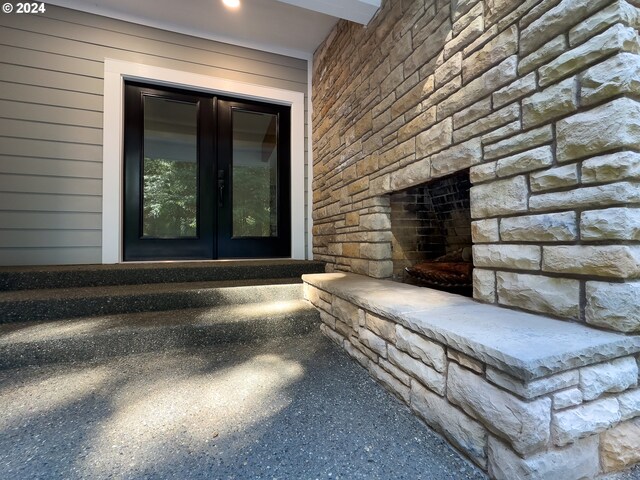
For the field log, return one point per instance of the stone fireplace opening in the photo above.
(431, 227)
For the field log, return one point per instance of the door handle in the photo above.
(220, 188)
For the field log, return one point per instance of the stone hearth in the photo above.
(521, 395)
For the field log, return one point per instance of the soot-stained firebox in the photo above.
(431, 227)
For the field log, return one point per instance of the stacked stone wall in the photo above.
(574, 424)
(540, 99)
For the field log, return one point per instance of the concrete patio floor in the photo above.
(290, 408)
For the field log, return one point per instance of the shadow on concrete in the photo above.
(279, 408)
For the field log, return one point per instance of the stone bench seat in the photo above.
(525, 345)
(522, 395)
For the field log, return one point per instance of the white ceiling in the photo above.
(288, 27)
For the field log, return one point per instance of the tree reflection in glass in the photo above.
(255, 174)
(170, 171)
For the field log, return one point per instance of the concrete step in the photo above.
(78, 276)
(62, 303)
(91, 338)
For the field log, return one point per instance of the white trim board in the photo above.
(116, 72)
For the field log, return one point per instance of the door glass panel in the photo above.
(170, 169)
(254, 174)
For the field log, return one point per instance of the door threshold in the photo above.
(217, 260)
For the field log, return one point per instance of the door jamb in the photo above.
(116, 72)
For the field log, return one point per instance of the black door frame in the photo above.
(206, 245)
(261, 247)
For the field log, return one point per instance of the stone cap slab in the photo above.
(525, 345)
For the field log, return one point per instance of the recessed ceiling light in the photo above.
(231, 3)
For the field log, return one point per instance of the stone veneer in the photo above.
(521, 395)
(539, 98)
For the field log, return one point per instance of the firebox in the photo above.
(431, 227)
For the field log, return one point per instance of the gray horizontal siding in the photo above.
(43, 202)
(96, 30)
(44, 255)
(20, 110)
(64, 38)
(38, 238)
(47, 78)
(50, 131)
(51, 101)
(50, 166)
(50, 184)
(30, 147)
(49, 96)
(20, 55)
(51, 220)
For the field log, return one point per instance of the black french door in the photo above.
(204, 176)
